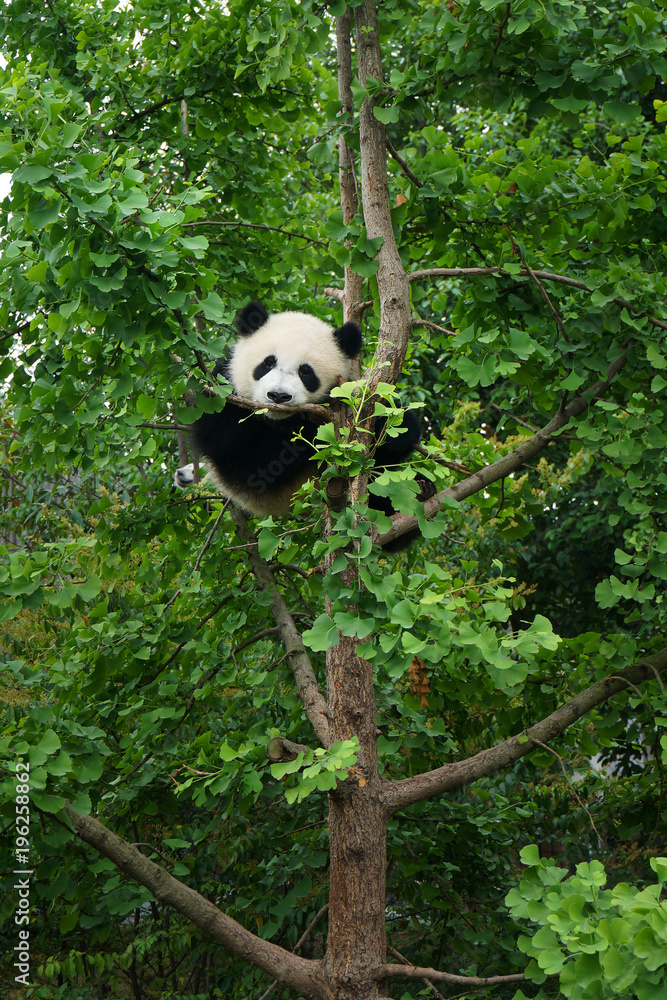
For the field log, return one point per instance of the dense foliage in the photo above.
(169, 162)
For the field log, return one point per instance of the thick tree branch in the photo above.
(314, 702)
(402, 523)
(300, 974)
(400, 794)
(561, 279)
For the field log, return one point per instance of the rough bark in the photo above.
(400, 794)
(301, 974)
(356, 946)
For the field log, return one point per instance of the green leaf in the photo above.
(31, 174)
(213, 308)
(387, 115)
(574, 104)
(323, 635)
(621, 112)
(530, 855)
(90, 588)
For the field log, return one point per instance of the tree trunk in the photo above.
(356, 948)
(357, 835)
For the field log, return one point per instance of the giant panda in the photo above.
(257, 460)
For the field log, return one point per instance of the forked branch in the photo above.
(400, 794)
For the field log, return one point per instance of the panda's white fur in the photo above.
(293, 339)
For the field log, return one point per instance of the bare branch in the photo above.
(210, 536)
(500, 34)
(400, 794)
(395, 155)
(415, 972)
(402, 523)
(569, 783)
(417, 321)
(533, 275)
(517, 420)
(313, 700)
(312, 410)
(302, 975)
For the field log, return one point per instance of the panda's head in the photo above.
(290, 357)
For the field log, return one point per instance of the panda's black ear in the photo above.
(348, 338)
(250, 318)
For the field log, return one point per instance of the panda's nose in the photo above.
(279, 397)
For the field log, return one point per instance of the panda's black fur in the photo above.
(287, 358)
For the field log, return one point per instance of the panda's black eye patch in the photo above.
(309, 378)
(264, 367)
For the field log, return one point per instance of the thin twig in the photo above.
(417, 321)
(311, 926)
(543, 291)
(571, 786)
(210, 535)
(517, 420)
(500, 34)
(257, 225)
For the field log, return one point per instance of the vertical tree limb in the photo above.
(393, 291)
(349, 199)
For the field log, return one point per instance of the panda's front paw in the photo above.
(184, 477)
(427, 488)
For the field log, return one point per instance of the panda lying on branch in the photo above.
(293, 359)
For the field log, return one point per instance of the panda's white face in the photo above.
(292, 358)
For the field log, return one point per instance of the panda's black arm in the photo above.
(396, 449)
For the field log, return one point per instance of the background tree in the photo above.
(497, 223)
